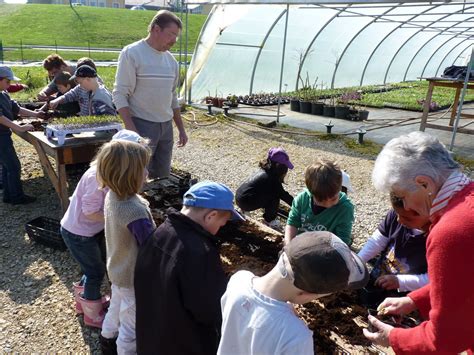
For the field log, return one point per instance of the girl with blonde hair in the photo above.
(121, 167)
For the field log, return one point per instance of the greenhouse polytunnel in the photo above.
(252, 47)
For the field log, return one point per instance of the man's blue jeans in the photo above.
(11, 170)
(87, 252)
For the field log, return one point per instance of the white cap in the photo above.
(127, 135)
(346, 181)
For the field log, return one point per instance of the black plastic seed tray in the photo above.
(45, 230)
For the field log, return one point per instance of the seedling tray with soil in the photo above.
(59, 128)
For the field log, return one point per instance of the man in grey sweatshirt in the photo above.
(145, 90)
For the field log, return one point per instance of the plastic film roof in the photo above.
(335, 45)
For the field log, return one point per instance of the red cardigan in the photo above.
(448, 300)
(15, 87)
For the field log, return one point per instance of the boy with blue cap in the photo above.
(179, 278)
(11, 167)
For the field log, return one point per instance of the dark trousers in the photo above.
(11, 170)
(270, 205)
(89, 252)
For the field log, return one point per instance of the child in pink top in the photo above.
(82, 230)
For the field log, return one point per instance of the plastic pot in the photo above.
(329, 111)
(317, 108)
(342, 111)
(363, 115)
(305, 106)
(295, 105)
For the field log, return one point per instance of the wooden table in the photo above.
(75, 150)
(448, 83)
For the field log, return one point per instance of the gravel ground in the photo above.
(37, 312)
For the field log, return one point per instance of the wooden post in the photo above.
(455, 106)
(426, 106)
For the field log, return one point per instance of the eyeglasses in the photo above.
(168, 32)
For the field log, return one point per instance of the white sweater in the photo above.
(146, 82)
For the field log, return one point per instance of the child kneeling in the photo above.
(264, 188)
(322, 206)
(400, 242)
(257, 317)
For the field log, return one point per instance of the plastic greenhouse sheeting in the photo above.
(331, 45)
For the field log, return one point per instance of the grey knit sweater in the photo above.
(146, 82)
(122, 248)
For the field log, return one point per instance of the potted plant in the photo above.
(329, 109)
(317, 106)
(295, 103)
(305, 102)
(363, 114)
(342, 109)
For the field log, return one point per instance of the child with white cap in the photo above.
(264, 189)
(82, 230)
(257, 317)
(346, 183)
(179, 279)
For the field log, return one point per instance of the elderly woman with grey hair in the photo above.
(418, 169)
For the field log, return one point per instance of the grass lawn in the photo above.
(94, 26)
(31, 55)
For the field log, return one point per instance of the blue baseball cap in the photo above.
(209, 194)
(6, 72)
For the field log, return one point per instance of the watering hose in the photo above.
(196, 122)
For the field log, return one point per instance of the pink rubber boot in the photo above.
(93, 312)
(78, 290)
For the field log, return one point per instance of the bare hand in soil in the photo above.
(387, 282)
(397, 305)
(381, 336)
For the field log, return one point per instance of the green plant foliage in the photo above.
(83, 122)
(406, 95)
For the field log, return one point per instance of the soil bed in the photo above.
(252, 246)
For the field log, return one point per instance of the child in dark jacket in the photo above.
(179, 279)
(264, 188)
(11, 167)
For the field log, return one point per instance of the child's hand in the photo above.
(54, 103)
(42, 96)
(387, 282)
(40, 114)
(25, 128)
